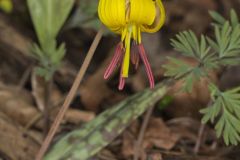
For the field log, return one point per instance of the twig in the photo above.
(141, 134)
(200, 133)
(32, 121)
(25, 77)
(70, 96)
(199, 139)
(37, 117)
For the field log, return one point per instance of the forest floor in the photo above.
(174, 132)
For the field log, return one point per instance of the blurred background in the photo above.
(173, 129)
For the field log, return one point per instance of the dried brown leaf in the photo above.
(14, 143)
(159, 135)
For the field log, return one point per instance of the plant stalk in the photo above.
(70, 96)
(47, 105)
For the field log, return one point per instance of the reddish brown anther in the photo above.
(137, 52)
(147, 65)
(115, 60)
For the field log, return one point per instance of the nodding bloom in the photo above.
(129, 18)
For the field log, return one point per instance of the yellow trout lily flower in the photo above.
(129, 18)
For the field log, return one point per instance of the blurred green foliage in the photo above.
(85, 15)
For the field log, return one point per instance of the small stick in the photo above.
(70, 96)
(200, 134)
(40, 115)
(199, 139)
(142, 132)
(24, 77)
(32, 121)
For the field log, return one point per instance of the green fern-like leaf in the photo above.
(218, 18)
(234, 18)
(227, 38)
(177, 68)
(225, 109)
(188, 44)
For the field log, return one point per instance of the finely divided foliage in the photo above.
(212, 53)
(225, 107)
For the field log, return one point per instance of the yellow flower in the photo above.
(129, 18)
(6, 5)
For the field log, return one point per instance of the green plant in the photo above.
(48, 17)
(85, 142)
(85, 15)
(210, 54)
(222, 51)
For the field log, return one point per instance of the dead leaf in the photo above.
(17, 105)
(129, 138)
(156, 156)
(159, 135)
(76, 116)
(14, 143)
(188, 128)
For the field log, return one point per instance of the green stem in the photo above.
(47, 104)
(70, 96)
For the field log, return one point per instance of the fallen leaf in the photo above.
(14, 143)
(17, 105)
(156, 156)
(76, 116)
(159, 135)
(129, 139)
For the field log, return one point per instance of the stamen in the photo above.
(147, 65)
(121, 80)
(115, 60)
(135, 54)
(121, 83)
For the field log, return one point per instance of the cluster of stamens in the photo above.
(129, 49)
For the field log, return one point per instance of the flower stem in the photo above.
(70, 95)
(47, 105)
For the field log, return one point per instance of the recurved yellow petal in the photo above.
(159, 19)
(112, 14)
(142, 11)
